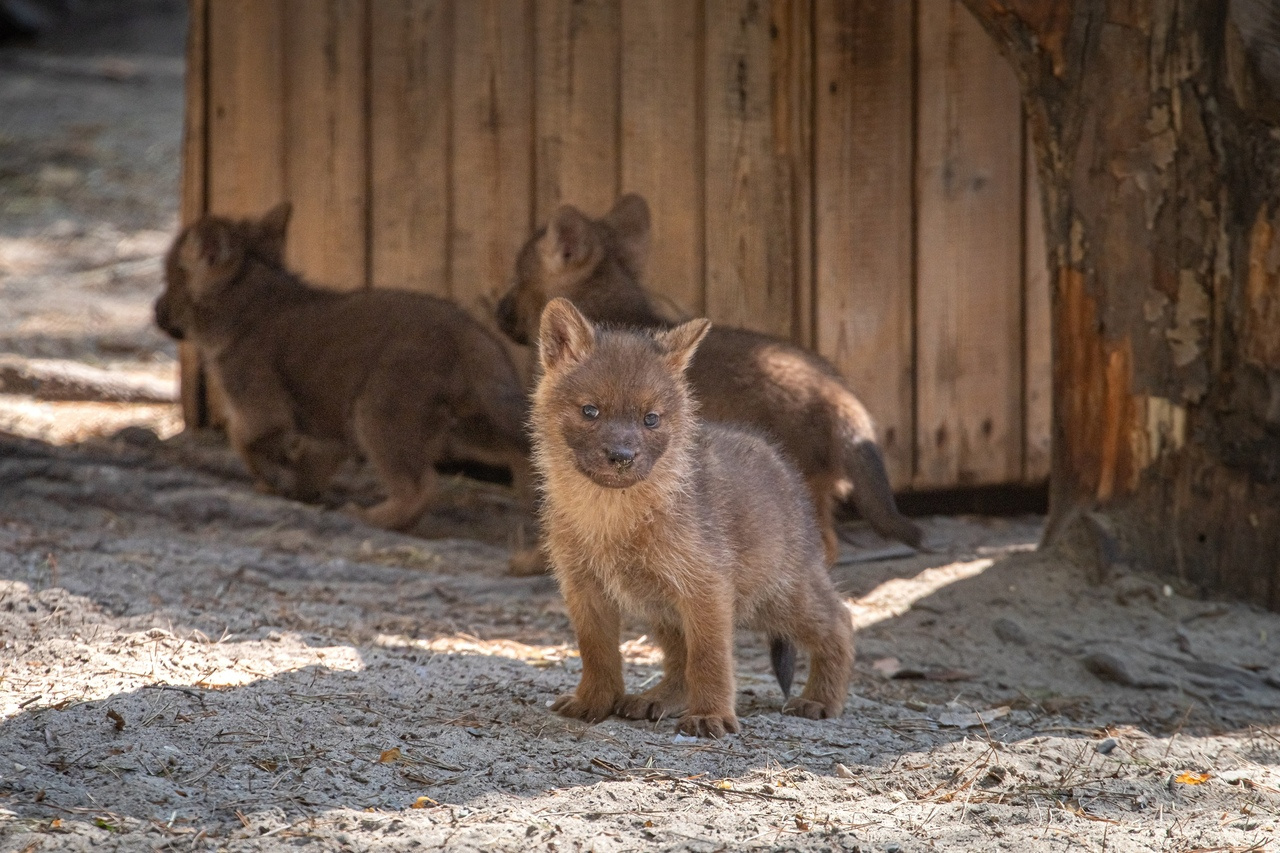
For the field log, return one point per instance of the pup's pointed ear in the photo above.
(272, 228)
(569, 240)
(682, 342)
(565, 337)
(632, 226)
(207, 251)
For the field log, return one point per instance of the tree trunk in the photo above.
(1155, 128)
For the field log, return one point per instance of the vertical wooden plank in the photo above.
(195, 143)
(1037, 335)
(792, 28)
(750, 276)
(245, 120)
(246, 106)
(326, 133)
(491, 175)
(410, 67)
(661, 144)
(863, 152)
(969, 255)
(577, 104)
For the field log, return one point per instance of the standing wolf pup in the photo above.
(695, 527)
(793, 396)
(310, 375)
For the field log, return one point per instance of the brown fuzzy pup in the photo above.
(695, 527)
(793, 396)
(310, 375)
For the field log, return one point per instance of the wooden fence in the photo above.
(851, 174)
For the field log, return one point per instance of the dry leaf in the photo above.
(389, 755)
(1192, 778)
(968, 721)
(888, 667)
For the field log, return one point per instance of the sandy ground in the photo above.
(186, 664)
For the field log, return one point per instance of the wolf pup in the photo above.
(310, 375)
(794, 396)
(695, 527)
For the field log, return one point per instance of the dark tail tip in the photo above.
(873, 496)
(782, 654)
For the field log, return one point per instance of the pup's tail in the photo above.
(782, 655)
(864, 466)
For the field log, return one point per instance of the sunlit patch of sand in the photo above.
(72, 422)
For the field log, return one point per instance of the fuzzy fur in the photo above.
(792, 395)
(310, 375)
(694, 527)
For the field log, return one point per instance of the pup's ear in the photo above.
(569, 240)
(682, 342)
(206, 254)
(565, 337)
(632, 226)
(272, 228)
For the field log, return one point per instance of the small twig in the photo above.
(655, 774)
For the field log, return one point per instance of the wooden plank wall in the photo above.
(849, 174)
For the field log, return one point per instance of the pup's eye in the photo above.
(651, 420)
(590, 412)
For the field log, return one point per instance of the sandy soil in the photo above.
(186, 664)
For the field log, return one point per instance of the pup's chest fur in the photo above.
(645, 549)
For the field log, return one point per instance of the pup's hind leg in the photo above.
(402, 448)
(821, 492)
(828, 637)
(670, 695)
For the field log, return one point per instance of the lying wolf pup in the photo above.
(310, 375)
(695, 527)
(794, 396)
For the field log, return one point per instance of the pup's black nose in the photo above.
(621, 457)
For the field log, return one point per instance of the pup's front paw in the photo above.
(807, 708)
(708, 725)
(571, 705)
(642, 706)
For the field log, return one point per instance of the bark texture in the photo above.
(1155, 129)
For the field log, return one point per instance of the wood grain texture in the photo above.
(326, 140)
(491, 179)
(792, 27)
(410, 68)
(865, 211)
(246, 102)
(969, 255)
(577, 107)
(662, 140)
(1038, 334)
(750, 270)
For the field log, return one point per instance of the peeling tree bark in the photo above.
(1157, 134)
